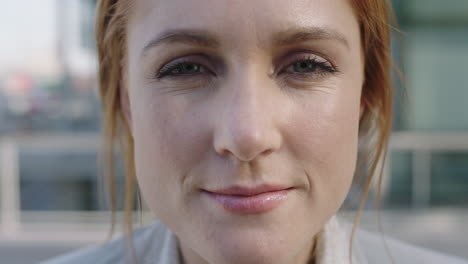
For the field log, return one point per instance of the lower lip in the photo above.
(254, 204)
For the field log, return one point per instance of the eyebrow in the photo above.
(194, 37)
(303, 34)
(207, 39)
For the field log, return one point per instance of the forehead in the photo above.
(241, 21)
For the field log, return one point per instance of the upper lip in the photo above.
(249, 191)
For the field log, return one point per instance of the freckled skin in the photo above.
(247, 122)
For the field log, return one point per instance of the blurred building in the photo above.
(431, 168)
(75, 37)
(57, 103)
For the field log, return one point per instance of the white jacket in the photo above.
(156, 244)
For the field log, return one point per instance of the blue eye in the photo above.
(311, 66)
(304, 66)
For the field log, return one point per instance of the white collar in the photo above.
(333, 244)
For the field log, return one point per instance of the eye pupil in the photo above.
(305, 66)
(187, 68)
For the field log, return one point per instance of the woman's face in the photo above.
(245, 120)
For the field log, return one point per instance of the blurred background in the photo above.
(50, 195)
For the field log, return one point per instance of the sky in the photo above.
(27, 35)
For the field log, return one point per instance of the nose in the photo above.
(247, 125)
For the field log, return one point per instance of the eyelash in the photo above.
(324, 68)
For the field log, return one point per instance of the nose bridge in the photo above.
(246, 127)
(246, 111)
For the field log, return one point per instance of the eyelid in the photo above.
(215, 65)
(303, 54)
(305, 57)
(325, 66)
(200, 59)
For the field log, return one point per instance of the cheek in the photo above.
(169, 141)
(324, 138)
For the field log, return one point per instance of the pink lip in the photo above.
(257, 200)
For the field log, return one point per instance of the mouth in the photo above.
(249, 200)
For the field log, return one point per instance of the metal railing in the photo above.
(422, 146)
(10, 191)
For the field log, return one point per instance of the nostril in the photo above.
(267, 152)
(243, 155)
(224, 152)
